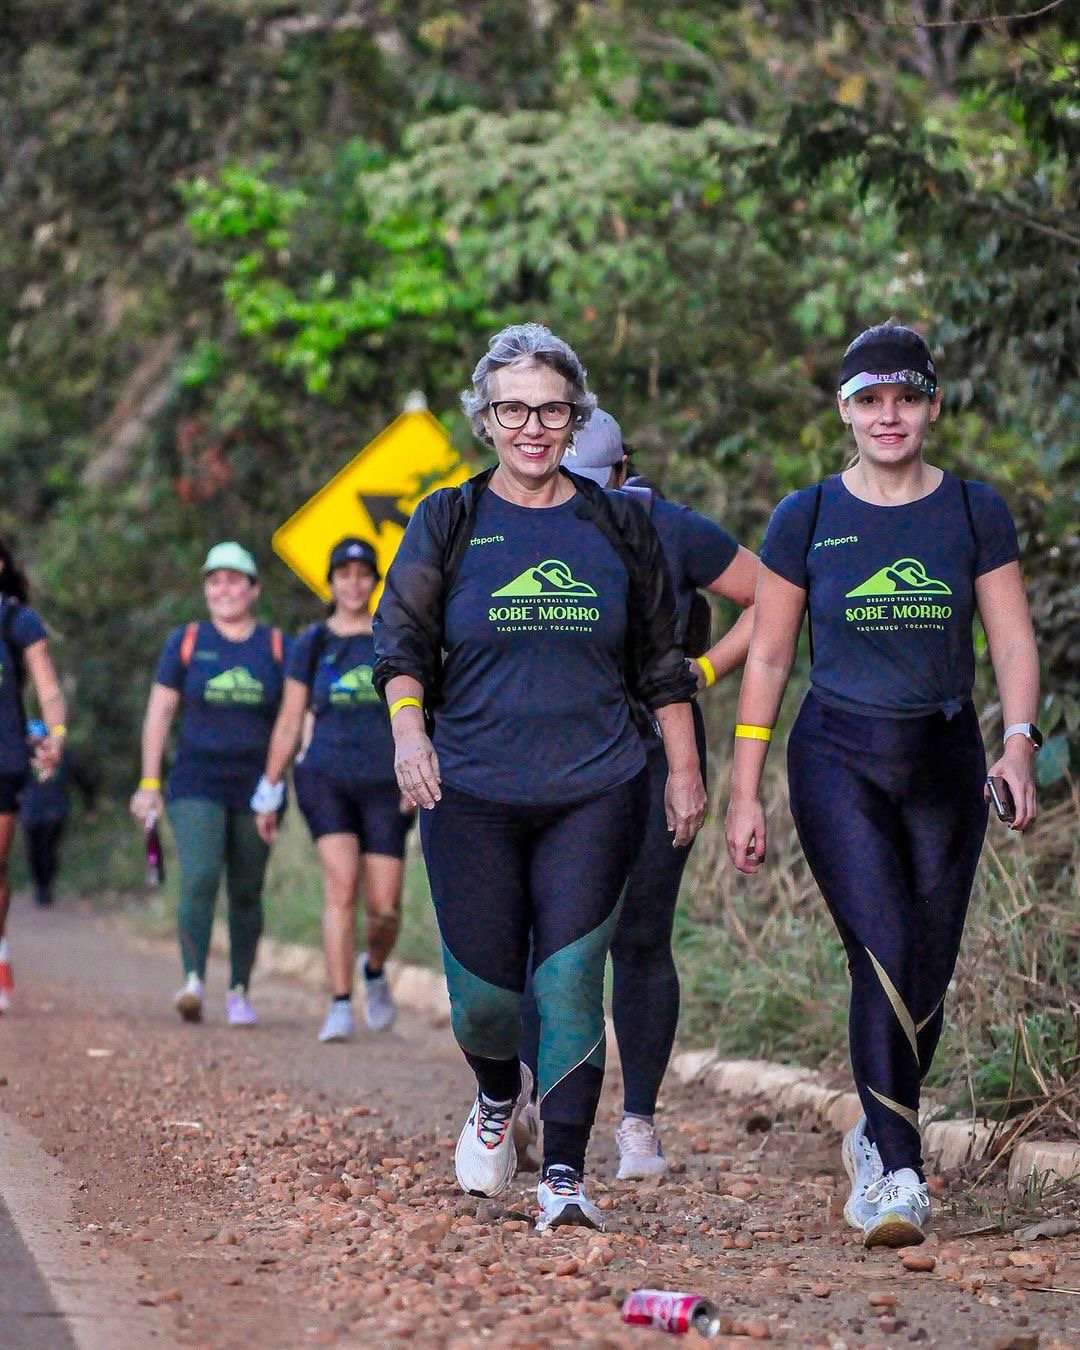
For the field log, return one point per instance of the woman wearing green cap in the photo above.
(226, 678)
(345, 786)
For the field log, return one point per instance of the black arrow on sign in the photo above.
(382, 510)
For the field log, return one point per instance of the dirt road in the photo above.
(231, 1189)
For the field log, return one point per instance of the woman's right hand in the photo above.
(745, 833)
(146, 802)
(416, 766)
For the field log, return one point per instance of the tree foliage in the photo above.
(238, 232)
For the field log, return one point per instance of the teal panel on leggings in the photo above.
(570, 992)
(486, 1019)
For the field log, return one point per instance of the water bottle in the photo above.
(155, 857)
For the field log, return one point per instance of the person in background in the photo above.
(526, 609)
(43, 812)
(886, 767)
(225, 678)
(701, 556)
(24, 650)
(345, 787)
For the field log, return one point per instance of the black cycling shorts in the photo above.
(371, 811)
(11, 785)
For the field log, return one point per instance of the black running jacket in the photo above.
(408, 625)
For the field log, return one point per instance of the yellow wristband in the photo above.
(747, 733)
(149, 784)
(405, 703)
(707, 670)
(59, 731)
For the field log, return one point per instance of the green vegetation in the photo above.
(238, 232)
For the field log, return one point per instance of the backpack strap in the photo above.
(320, 635)
(187, 644)
(809, 546)
(970, 516)
(277, 646)
(641, 494)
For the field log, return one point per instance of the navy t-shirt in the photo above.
(696, 550)
(891, 591)
(26, 628)
(352, 741)
(534, 708)
(230, 693)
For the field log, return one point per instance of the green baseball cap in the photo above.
(233, 556)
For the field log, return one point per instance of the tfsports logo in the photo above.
(832, 543)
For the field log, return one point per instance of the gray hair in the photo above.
(519, 344)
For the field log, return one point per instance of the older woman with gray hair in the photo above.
(528, 620)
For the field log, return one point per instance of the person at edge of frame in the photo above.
(225, 678)
(24, 650)
(526, 610)
(345, 787)
(701, 556)
(886, 766)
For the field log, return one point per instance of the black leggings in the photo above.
(502, 875)
(645, 983)
(890, 815)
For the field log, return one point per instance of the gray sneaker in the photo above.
(340, 1023)
(562, 1199)
(862, 1162)
(901, 1210)
(379, 1006)
(640, 1151)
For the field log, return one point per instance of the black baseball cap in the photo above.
(352, 549)
(890, 354)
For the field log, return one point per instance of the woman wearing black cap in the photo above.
(886, 764)
(345, 786)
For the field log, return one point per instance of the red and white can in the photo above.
(666, 1310)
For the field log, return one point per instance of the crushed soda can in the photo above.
(666, 1310)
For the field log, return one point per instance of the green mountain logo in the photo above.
(355, 686)
(233, 686)
(354, 680)
(552, 580)
(906, 576)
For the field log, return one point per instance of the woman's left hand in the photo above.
(685, 804)
(1017, 767)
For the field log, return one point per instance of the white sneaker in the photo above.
(640, 1153)
(189, 1000)
(527, 1138)
(379, 1006)
(562, 1199)
(485, 1159)
(901, 1210)
(862, 1162)
(340, 1023)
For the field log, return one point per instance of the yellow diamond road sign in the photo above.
(373, 496)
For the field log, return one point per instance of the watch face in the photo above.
(1036, 735)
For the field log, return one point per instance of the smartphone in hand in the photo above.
(1002, 799)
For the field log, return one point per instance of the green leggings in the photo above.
(210, 838)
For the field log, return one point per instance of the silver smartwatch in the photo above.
(1028, 729)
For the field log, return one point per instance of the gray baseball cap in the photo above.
(596, 449)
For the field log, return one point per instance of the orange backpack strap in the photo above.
(187, 644)
(277, 646)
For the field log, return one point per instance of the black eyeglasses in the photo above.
(512, 414)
